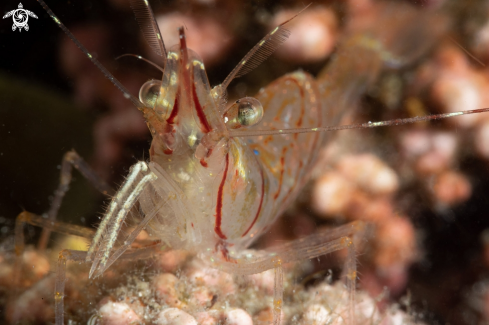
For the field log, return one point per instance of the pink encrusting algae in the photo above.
(194, 294)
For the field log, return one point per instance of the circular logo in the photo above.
(20, 17)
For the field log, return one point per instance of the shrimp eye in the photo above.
(244, 112)
(250, 111)
(149, 92)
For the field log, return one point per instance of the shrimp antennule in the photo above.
(147, 22)
(139, 57)
(261, 51)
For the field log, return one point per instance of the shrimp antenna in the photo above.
(466, 51)
(147, 22)
(369, 125)
(99, 65)
(139, 57)
(261, 51)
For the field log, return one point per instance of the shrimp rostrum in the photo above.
(214, 183)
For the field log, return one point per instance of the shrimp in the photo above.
(214, 182)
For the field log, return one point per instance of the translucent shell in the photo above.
(149, 92)
(284, 160)
(244, 112)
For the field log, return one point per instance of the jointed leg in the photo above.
(278, 293)
(35, 220)
(353, 229)
(312, 246)
(70, 159)
(350, 276)
(57, 226)
(59, 287)
(73, 255)
(141, 180)
(130, 239)
(80, 256)
(105, 237)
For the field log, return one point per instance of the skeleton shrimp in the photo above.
(214, 182)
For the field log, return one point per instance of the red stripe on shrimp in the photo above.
(174, 111)
(205, 126)
(220, 193)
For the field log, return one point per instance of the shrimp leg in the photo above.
(80, 256)
(131, 238)
(56, 226)
(70, 159)
(35, 220)
(105, 237)
(315, 245)
(147, 184)
(73, 255)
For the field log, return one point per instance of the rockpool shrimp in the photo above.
(211, 187)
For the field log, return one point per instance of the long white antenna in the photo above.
(99, 65)
(369, 125)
